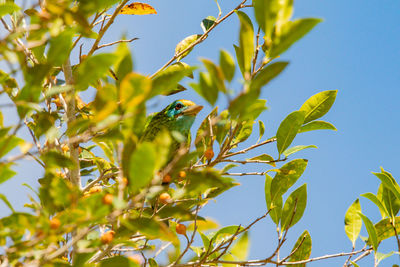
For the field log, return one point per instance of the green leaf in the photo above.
(5, 200)
(384, 228)
(266, 12)
(92, 69)
(142, 166)
(216, 75)
(291, 32)
(261, 129)
(167, 80)
(55, 159)
(354, 264)
(288, 130)
(352, 221)
(246, 42)
(123, 64)
(317, 125)
(239, 57)
(207, 23)
(8, 143)
(287, 175)
(373, 238)
(134, 89)
(119, 261)
(60, 47)
(377, 202)
(302, 249)
(265, 157)
(239, 250)
(5, 172)
(389, 183)
(227, 64)
(381, 256)
(8, 8)
(205, 89)
(318, 105)
(392, 204)
(151, 228)
(276, 204)
(267, 74)
(295, 149)
(184, 44)
(226, 231)
(152, 262)
(294, 207)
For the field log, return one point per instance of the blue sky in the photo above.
(355, 50)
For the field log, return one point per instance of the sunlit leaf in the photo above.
(207, 23)
(267, 74)
(8, 8)
(5, 200)
(385, 229)
(377, 202)
(119, 261)
(291, 32)
(274, 205)
(6, 172)
(318, 105)
(302, 249)
(216, 75)
(288, 130)
(287, 175)
(142, 166)
(227, 65)
(294, 207)
(261, 129)
(371, 231)
(317, 125)
(137, 8)
(352, 221)
(246, 42)
(295, 149)
(184, 44)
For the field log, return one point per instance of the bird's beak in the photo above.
(192, 110)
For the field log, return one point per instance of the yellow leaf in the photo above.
(138, 9)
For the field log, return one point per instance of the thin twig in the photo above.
(105, 28)
(273, 139)
(117, 42)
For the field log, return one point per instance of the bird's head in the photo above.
(180, 109)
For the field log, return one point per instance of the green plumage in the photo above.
(178, 116)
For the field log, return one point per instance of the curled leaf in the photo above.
(137, 8)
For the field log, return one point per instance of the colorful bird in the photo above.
(177, 116)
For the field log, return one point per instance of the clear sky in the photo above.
(355, 50)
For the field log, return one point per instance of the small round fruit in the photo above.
(108, 199)
(125, 181)
(166, 179)
(55, 223)
(209, 154)
(165, 198)
(182, 174)
(64, 148)
(107, 237)
(180, 229)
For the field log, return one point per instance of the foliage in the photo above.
(102, 200)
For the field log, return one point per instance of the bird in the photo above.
(177, 116)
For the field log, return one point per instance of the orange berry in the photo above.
(64, 258)
(182, 174)
(125, 181)
(165, 198)
(108, 199)
(95, 189)
(107, 237)
(64, 148)
(209, 154)
(55, 223)
(166, 179)
(180, 229)
(80, 150)
(83, 57)
(57, 102)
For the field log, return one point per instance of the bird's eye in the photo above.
(178, 106)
